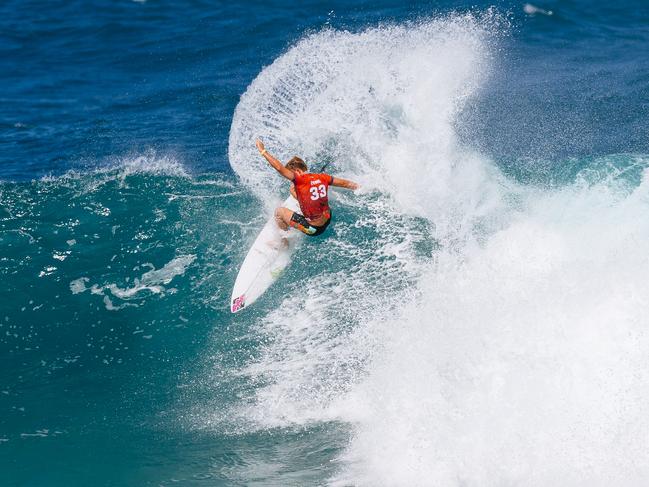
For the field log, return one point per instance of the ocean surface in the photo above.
(476, 315)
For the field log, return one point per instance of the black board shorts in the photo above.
(302, 224)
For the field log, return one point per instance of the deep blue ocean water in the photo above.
(476, 315)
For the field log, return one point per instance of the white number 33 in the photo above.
(318, 192)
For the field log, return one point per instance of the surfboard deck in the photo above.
(265, 261)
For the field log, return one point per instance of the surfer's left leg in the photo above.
(303, 225)
(286, 218)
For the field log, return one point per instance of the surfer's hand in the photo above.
(260, 146)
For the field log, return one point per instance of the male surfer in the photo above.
(311, 192)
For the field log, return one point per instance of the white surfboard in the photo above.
(265, 262)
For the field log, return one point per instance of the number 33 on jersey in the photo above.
(312, 193)
(318, 192)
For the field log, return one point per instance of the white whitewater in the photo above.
(517, 352)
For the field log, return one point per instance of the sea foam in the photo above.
(515, 353)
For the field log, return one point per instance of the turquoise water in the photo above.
(116, 280)
(475, 315)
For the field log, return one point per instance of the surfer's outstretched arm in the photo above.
(344, 183)
(277, 165)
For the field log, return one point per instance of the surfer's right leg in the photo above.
(283, 217)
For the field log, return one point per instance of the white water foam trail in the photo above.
(517, 354)
(527, 363)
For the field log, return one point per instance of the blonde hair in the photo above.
(296, 163)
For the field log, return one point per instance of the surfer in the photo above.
(311, 192)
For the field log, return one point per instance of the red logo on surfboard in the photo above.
(238, 303)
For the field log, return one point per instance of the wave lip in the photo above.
(380, 104)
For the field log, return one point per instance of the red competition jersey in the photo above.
(313, 193)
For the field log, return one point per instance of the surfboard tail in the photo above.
(238, 303)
